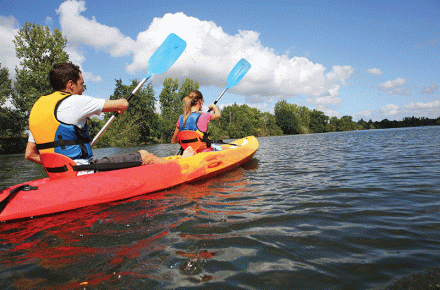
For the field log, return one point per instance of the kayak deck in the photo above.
(52, 196)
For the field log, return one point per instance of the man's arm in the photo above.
(31, 153)
(119, 105)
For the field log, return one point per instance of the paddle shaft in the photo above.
(219, 97)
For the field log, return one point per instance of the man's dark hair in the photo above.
(62, 73)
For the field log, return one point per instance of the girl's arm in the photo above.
(216, 113)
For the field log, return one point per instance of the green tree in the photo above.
(371, 124)
(136, 125)
(237, 122)
(38, 50)
(318, 121)
(331, 125)
(287, 118)
(170, 102)
(362, 124)
(305, 118)
(184, 90)
(170, 106)
(9, 118)
(347, 124)
(271, 127)
(5, 85)
(11, 140)
(142, 107)
(335, 124)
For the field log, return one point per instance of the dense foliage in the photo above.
(38, 49)
(5, 85)
(9, 119)
(137, 125)
(239, 121)
(406, 122)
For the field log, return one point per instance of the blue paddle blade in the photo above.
(166, 55)
(238, 72)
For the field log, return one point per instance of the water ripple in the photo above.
(351, 210)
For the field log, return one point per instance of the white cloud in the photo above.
(394, 87)
(210, 55)
(422, 109)
(331, 113)
(433, 88)
(49, 21)
(90, 77)
(394, 83)
(76, 56)
(329, 102)
(263, 107)
(366, 115)
(339, 74)
(390, 109)
(8, 30)
(375, 71)
(82, 31)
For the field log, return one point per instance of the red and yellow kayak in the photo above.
(45, 196)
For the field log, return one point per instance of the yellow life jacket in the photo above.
(53, 136)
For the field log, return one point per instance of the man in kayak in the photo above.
(59, 121)
(192, 126)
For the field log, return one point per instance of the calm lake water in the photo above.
(351, 210)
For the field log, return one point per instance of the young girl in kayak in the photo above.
(192, 125)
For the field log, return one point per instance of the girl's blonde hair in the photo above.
(188, 102)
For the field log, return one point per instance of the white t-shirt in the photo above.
(75, 110)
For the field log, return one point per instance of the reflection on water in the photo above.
(109, 238)
(352, 210)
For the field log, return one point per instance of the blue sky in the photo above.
(366, 59)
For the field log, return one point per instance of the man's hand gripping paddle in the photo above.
(161, 60)
(235, 76)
